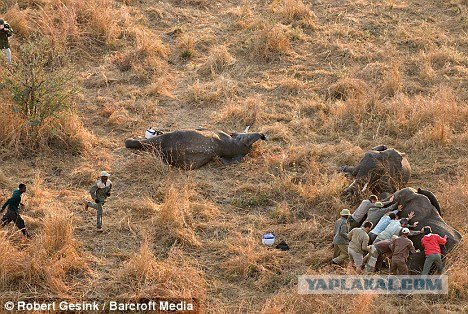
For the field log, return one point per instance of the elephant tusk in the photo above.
(352, 184)
(247, 129)
(365, 187)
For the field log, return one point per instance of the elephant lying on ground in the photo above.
(192, 149)
(427, 215)
(380, 170)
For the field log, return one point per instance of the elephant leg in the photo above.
(348, 170)
(230, 161)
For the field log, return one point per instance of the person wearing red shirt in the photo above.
(431, 244)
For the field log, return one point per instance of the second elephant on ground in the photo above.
(381, 170)
(192, 149)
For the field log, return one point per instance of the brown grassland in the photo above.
(324, 80)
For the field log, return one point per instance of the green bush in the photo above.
(37, 109)
(40, 86)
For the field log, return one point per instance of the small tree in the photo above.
(37, 109)
(40, 86)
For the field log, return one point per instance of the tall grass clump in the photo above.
(73, 25)
(295, 12)
(219, 59)
(174, 219)
(251, 111)
(14, 263)
(270, 43)
(143, 275)
(145, 55)
(52, 259)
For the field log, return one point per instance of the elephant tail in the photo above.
(132, 143)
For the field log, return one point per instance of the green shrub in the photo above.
(37, 111)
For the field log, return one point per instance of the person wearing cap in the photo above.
(12, 214)
(340, 239)
(361, 211)
(5, 32)
(401, 247)
(381, 208)
(431, 244)
(358, 245)
(99, 193)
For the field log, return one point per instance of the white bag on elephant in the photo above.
(150, 133)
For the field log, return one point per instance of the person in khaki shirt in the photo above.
(401, 247)
(99, 193)
(358, 244)
(340, 239)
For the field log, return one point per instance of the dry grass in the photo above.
(250, 260)
(295, 11)
(270, 43)
(144, 58)
(241, 114)
(145, 276)
(291, 86)
(218, 61)
(282, 213)
(215, 92)
(4, 180)
(174, 220)
(71, 24)
(324, 82)
(52, 259)
(19, 20)
(392, 83)
(348, 88)
(65, 132)
(186, 46)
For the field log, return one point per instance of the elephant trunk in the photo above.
(134, 144)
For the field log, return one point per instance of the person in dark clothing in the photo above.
(12, 214)
(5, 32)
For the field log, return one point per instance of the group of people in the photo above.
(99, 192)
(5, 32)
(382, 235)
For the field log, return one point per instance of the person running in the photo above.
(402, 247)
(361, 211)
(359, 239)
(99, 193)
(340, 240)
(431, 244)
(5, 32)
(12, 214)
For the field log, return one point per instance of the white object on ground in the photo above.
(268, 239)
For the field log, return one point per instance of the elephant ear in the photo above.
(380, 156)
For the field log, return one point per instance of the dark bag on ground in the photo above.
(283, 246)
